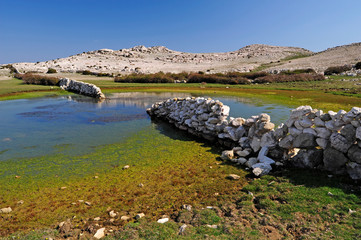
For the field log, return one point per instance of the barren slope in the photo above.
(341, 55)
(155, 59)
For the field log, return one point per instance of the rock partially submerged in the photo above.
(82, 88)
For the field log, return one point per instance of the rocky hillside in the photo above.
(154, 59)
(341, 55)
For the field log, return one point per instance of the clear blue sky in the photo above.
(39, 30)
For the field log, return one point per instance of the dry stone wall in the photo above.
(82, 88)
(308, 139)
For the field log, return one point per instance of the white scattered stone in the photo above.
(233, 177)
(112, 214)
(251, 161)
(100, 233)
(163, 220)
(126, 167)
(139, 215)
(212, 226)
(182, 229)
(6, 210)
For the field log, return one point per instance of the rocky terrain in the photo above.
(154, 59)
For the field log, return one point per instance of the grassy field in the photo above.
(332, 94)
(288, 204)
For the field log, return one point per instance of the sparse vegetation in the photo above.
(337, 69)
(358, 65)
(51, 70)
(12, 68)
(30, 78)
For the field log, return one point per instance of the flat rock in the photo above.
(339, 142)
(305, 140)
(163, 220)
(334, 160)
(233, 177)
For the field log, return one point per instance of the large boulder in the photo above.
(333, 160)
(339, 142)
(354, 153)
(307, 158)
(349, 132)
(286, 142)
(305, 140)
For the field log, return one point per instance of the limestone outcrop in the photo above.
(308, 139)
(82, 88)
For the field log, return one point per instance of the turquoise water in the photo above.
(75, 125)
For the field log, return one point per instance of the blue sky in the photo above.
(38, 30)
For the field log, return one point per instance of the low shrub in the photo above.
(214, 78)
(337, 69)
(87, 72)
(30, 78)
(298, 71)
(280, 78)
(145, 78)
(358, 65)
(51, 70)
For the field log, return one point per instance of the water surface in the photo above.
(76, 125)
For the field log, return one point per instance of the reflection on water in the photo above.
(76, 124)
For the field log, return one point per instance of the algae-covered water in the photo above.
(76, 125)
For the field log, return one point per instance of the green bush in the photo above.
(358, 65)
(30, 78)
(337, 69)
(51, 70)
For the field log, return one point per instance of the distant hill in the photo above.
(155, 59)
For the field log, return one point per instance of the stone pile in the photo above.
(308, 139)
(82, 88)
(329, 141)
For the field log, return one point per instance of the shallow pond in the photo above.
(76, 125)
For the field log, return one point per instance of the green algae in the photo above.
(174, 169)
